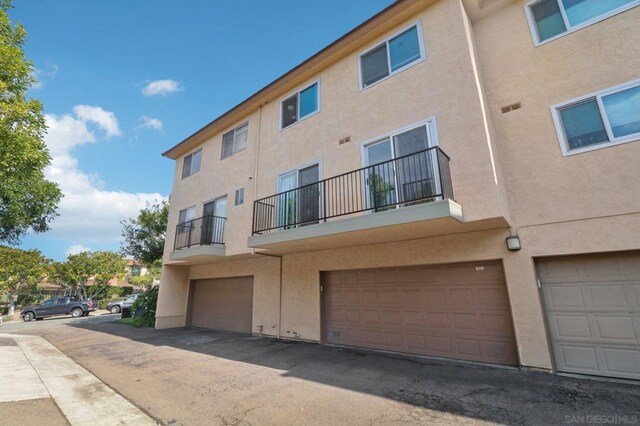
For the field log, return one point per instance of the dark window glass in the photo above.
(374, 65)
(289, 111)
(583, 124)
(227, 144)
(549, 22)
(186, 166)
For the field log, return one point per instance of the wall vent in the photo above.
(512, 107)
(344, 140)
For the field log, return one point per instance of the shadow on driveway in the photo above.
(501, 395)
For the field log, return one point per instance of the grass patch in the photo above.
(129, 321)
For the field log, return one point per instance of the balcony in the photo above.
(199, 239)
(377, 203)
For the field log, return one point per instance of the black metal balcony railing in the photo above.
(206, 230)
(412, 179)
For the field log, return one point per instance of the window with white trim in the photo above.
(550, 19)
(299, 105)
(191, 163)
(234, 141)
(391, 56)
(239, 197)
(605, 118)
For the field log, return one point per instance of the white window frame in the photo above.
(613, 141)
(534, 29)
(297, 92)
(191, 172)
(423, 56)
(233, 145)
(432, 137)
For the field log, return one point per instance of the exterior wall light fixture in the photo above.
(513, 243)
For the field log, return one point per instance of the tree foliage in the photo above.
(20, 270)
(144, 235)
(27, 199)
(89, 273)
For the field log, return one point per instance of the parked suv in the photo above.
(67, 305)
(116, 307)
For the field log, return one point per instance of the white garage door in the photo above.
(592, 305)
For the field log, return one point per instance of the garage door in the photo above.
(456, 311)
(223, 304)
(592, 305)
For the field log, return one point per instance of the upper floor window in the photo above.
(235, 140)
(606, 118)
(239, 197)
(299, 105)
(391, 56)
(191, 163)
(187, 215)
(550, 19)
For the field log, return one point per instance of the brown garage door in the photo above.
(456, 311)
(592, 304)
(223, 304)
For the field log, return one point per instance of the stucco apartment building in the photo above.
(451, 178)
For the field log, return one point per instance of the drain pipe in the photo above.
(279, 332)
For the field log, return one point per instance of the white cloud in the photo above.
(161, 87)
(105, 119)
(151, 123)
(76, 249)
(88, 212)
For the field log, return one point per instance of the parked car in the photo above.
(67, 305)
(116, 307)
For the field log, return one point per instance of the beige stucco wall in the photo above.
(507, 165)
(217, 178)
(544, 186)
(443, 86)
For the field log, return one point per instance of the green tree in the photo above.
(20, 270)
(27, 199)
(144, 235)
(89, 273)
(151, 277)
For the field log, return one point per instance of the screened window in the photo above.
(235, 140)
(299, 105)
(605, 118)
(239, 196)
(392, 56)
(552, 18)
(191, 163)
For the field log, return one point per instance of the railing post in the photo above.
(189, 238)
(439, 171)
(324, 200)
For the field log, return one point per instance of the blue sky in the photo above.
(122, 84)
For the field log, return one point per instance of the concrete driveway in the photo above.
(192, 376)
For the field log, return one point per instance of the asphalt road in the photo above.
(193, 376)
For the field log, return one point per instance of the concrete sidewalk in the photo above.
(41, 384)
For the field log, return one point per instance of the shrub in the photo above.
(147, 301)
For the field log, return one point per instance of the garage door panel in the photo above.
(622, 360)
(592, 309)
(607, 296)
(421, 312)
(223, 304)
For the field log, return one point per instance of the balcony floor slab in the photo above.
(406, 223)
(196, 254)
